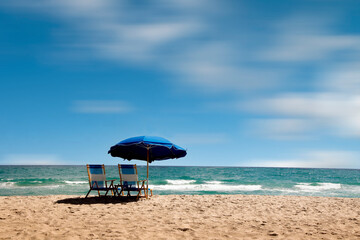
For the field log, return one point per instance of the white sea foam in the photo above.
(50, 186)
(7, 184)
(321, 189)
(206, 187)
(12, 185)
(307, 187)
(213, 182)
(180, 182)
(354, 189)
(284, 190)
(75, 182)
(188, 185)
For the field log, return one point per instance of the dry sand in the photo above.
(180, 217)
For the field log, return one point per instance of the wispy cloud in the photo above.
(281, 128)
(315, 159)
(194, 41)
(310, 47)
(176, 37)
(322, 110)
(334, 81)
(97, 106)
(200, 138)
(181, 38)
(307, 39)
(331, 105)
(118, 30)
(343, 78)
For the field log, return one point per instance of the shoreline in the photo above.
(180, 217)
(93, 195)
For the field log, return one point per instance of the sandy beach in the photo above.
(180, 217)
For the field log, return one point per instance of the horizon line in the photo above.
(39, 165)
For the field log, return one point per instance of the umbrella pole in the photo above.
(147, 174)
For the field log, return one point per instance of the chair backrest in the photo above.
(128, 175)
(96, 173)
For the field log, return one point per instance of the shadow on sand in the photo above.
(97, 200)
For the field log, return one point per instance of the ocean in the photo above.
(73, 180)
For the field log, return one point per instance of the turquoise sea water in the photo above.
(73, 180)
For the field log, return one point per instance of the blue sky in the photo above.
(236, 83)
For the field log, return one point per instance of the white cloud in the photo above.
(192, 40)
(331, 105)
(176, 37)
(117, 30)
(96, 106)
(344, 78)
(334, 111)
(281, 128)
(310, 47)
(315, 159)
(31, 159)
(159, 32)
(217, 66)
(301, 38)
(200, 138)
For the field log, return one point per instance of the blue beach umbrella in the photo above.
(147, 148)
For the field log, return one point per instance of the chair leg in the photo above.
(88, 193)
(115, 192)
(138, 195)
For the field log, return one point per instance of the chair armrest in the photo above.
(111, 183)
(141, 182)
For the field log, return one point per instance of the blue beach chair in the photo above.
(97, 180)
(129, 181)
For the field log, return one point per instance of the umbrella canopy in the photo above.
(147, 148)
